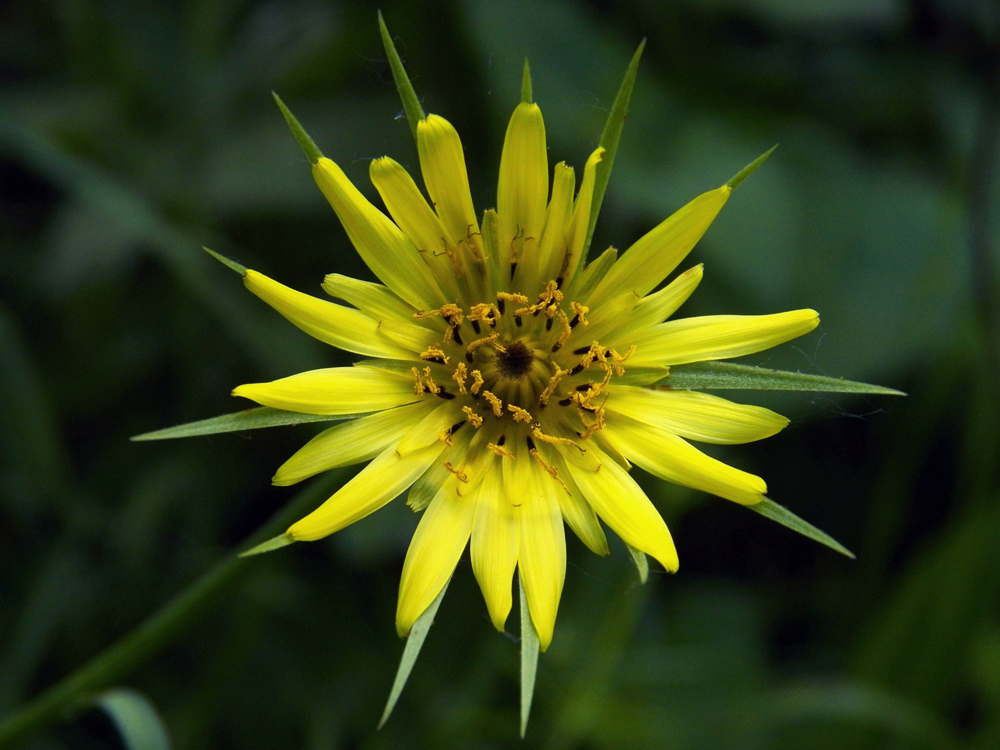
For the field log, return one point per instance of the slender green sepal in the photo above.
(227, 262)
(251, 419)
(750, 168)
(609, 141)
(641, 563)
(135, 717)
(411, 105)
(414, 642)
(282, 540)
(313, 154)
(526, 83)
(781, 514)
(716, 375)
(529, 659)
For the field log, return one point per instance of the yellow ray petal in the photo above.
(623, 506)
(523, 187)
(437, 545)
(375, 300)
(669, 457)
(425, 431)
(374, 486)
(654, 308)
(542, 557)
(335, 390)
(442, 163)
(552, 249)
(381, 244)
(713, 337)
(695, 416)
(495, 543)
(648, 262)
(581, 218)
(351, 442)
(576, 511)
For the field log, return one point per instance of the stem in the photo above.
(117, 661)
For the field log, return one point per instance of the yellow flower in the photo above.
(511, 386)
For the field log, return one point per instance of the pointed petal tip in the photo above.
(312, 152)
(277, 542)
(227, 262)
(526, 83)
(750, 168)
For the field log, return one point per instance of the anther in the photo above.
(581, 314)
(520, 415)
(456, 335)
(537, 432)
(477, 382)
(482, 342)
(566, 402)
(500, 450)
(418, 384)
(446, 395)
(495, 403)
(558, 375)
(502, 440)
(567, 331)
(459, 376)
(531, 444)
(434, 354)
(459, 474)
(581, 350)
(474, 419)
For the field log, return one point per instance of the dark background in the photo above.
(133, 132)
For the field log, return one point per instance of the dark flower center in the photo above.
(514, 362)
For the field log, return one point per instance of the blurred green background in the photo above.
(134, 131)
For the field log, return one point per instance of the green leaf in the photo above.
(414, 642)
(312, 152)
(641, 563)
(705, 375)
(250, 419)
(529, 659)
(609, 141)
(526, 83)
(770, 509)
(282, 540)
(411, 104)
(138, 723)
(750, 168)
(228, 262)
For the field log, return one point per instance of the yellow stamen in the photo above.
(445, 437)
(434, 353)
(550, 470)
(461, 475)
(482, 342)
(566, 332)
(513, 297)
(477, 382)
(536, 431)
(460, 375)
(581, 312)
(474, 419)
(485, 312)
(520, 415)
(551, 387)
(418, 384)
(496, 403)
(500, 450)
(431, 385)
(597, 425)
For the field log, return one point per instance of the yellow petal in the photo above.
(432, 427)
(495, 543)
(542, 557)
(381, 244)
(442, 163)
(695, 416)
(576, 511)
(417, 220)
(654, 308)
(623, 506)
(581, 217)
(648, 262)
(437, 545)
(334, 324)
(523, 187)
(375, 300)
(350, 442)
(669, 457)
(374, 486)
(552, 250)
(713, 337)
(335, 390)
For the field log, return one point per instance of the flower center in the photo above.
(514, 362)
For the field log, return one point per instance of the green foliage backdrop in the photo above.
(132, 133)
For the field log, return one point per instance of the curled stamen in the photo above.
(618, 360)
(459, 474)
(418, 384)
(430, 384)
(435, 354)
(474, 419)
(558, 375)
(536, 430)
(500, 450)
(485, 312)
(513, 297)
(520, 415)
(460, 375)
(581, 313)
(567, 331)
(491, 339)
(598, 423)
(477, 382)
(495, 403)
(445, 437)
(550, 470)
